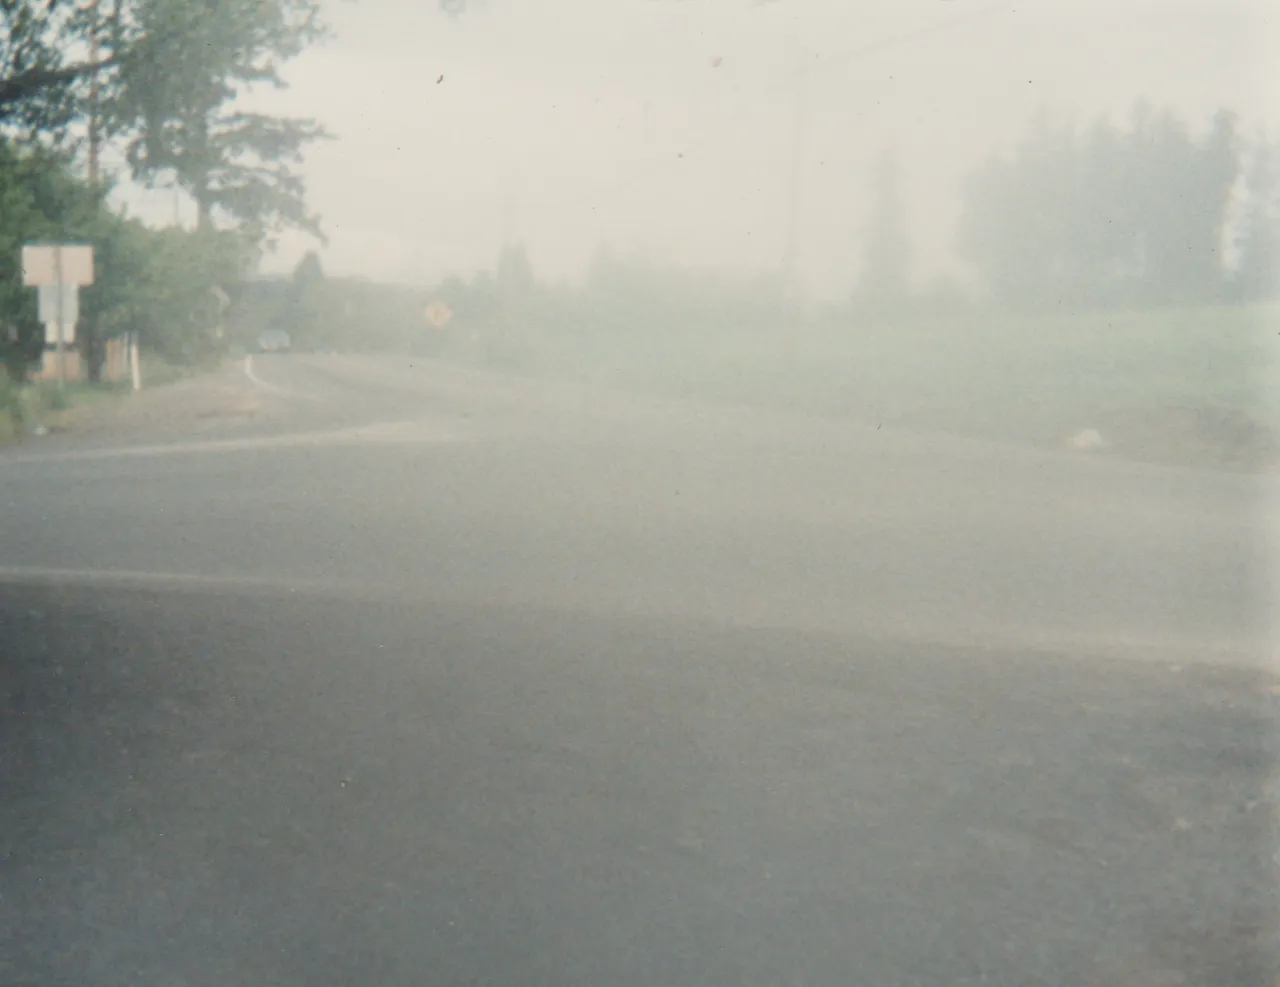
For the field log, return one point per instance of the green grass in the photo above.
(1002, 376)
(45, 405)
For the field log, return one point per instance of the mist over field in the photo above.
(940, 215)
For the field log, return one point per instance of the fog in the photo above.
(775, 202)
(672, 126)
(744, 491)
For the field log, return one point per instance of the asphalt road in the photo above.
(417, 676)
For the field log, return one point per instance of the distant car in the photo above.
(273, 341)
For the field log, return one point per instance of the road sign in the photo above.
(439, 314)
(70, 263)
(58, 270)
(51, 312)
(51, 335)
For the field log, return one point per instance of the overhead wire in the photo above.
(825, 64)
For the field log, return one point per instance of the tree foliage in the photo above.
(1259, 240)
(157, 283)
(164, 78)
(187, 66)
(40, 82)
(1106, 215)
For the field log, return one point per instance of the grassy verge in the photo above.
(37, 407)
(1034, 378)
(44, 406)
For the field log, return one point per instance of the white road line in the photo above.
(402, 433)
(266, 385)
(46, 575)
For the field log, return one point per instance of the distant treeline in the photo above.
(1151, 213)
(505, 317)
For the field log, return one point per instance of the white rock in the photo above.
(1087, 438)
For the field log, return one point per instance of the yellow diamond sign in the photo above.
(439, 314)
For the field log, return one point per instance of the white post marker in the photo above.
(58, 270)
(135, 364)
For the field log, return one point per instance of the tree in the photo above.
(515, 272)
(119, 301)
(886, 255)
(165, 84)
(306, 297)
(309, 272)
(1106, 216)
(1015, 226)
(162, 78)
(1258, 275)
(1185, 187)
(177, 107)
(182, 316)
(155, 282)
(38, 82)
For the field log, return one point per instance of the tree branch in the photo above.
(24, 84)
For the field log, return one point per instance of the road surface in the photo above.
(418, 676)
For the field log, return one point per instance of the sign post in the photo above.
(60, 317)
(135, 362)
(58, 271)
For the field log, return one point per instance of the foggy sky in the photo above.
(669, 126)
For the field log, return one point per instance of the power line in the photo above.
(887, 44)
(804, 74)
(800, 78)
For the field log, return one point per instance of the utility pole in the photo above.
(508, 219)
(95, 137)
(62, 349)
(510, 206)
(800, 114)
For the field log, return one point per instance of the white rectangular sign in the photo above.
(42, 264)
(51, 334)
(69, 313)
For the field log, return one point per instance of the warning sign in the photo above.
(439, 314)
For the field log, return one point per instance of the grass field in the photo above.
(1038, 379)
(45, 406)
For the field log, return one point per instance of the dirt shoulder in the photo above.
(216, 401)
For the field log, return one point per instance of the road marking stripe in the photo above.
(404, 433)
(46, 575)
(267, 386)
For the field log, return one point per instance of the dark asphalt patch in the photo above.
(236, 790)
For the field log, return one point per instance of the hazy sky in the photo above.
(670, 125)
